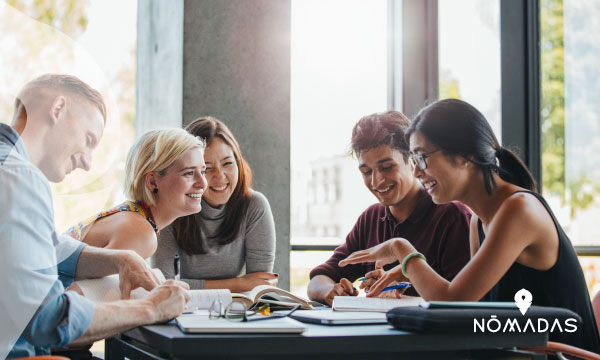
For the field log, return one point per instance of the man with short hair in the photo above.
(440, 232)
(58, 121)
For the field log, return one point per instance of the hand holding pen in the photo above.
(370, 278)
(391, 277)
(176, 266)
(380, 280)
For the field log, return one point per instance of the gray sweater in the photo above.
(252, 250)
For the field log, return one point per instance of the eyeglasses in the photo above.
(237, 311)
(418, 160)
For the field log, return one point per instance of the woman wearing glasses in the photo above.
(516, 242)
(230, 244)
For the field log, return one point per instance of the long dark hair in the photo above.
(188, 233)
(459, 129)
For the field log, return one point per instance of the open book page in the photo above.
(107, 289)
(359, 303)
(279, 296)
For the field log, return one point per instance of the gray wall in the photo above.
(159, 72)
(235, 66)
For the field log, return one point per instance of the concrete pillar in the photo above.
(159, 73)
(235, 66)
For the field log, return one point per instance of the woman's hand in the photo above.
(385, 253)
(252, 280)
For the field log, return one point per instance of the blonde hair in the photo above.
(155, 151)
(68, 83)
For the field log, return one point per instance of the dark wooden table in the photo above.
(319, 342)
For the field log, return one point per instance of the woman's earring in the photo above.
(155, 191)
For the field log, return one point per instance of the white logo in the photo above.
(523, 300)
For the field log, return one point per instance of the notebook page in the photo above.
(203, 299)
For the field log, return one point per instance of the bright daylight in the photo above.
(331, 179)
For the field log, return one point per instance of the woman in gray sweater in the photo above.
(230, 243)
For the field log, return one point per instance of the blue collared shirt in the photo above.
(36, 264)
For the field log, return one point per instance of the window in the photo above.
(339, 74)
(570, 53)
(91, 40)
(469, 55)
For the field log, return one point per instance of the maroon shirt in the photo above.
(440, 232)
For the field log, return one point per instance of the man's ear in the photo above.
(58, 108)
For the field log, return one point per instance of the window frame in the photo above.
(520, 76)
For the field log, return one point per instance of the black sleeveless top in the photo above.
(563, 285)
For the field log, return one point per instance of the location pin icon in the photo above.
(523, 300)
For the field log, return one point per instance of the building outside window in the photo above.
(339, 74)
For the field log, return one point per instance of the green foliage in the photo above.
(67, 16)
(448, 87)
(582, 193)
(581, 190)
(553, 97)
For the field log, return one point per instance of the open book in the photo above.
(272, 295)
(107, 289)
(361, 303)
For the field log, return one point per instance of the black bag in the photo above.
(462, 320)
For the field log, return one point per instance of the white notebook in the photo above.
(202, 324)
(106, 289)
(374, 304)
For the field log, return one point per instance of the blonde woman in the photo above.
(164, 180)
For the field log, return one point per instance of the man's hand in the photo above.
(343, 288)
(135, 272)
(388, 278)
(372, 277)
(168, 300)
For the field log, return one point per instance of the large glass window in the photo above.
(469, 55)
(570, 53)
(339, 74)
(92, 41)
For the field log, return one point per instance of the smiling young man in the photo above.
(58, 121)
(440, 232)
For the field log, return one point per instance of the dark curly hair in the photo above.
(378, 129)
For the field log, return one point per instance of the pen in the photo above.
(398, 286)
(176, 266)
(363, 278)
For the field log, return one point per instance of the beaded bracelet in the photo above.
(408, 257)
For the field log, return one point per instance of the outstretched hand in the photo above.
(382, 253)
